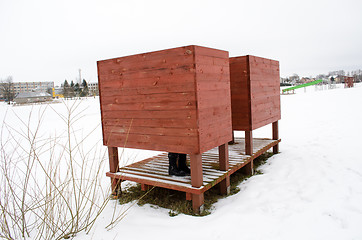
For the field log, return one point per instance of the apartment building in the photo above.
(21, 87)
(24, 87)
(93, 89)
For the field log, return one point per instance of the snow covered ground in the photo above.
(311, 190)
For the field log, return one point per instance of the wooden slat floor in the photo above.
(154, 171)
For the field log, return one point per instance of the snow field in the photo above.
(311, 190)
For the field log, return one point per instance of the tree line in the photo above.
(71, 90)
(295, 78)
(75, 90)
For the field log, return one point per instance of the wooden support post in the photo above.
(249, 168)
(197, 181)
(275, 136)
(249, 143)
(198, 203)
(233, 138)
(188, 196)
(224, 166)
(145, 187)
(113, 168)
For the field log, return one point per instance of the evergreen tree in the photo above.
(71, 89)
(50, 91)
(77, 89)
(85, 90)
(66, 84)
(66, 89)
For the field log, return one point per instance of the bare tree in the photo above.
(7, 89)
(294, 78)
(321, 76)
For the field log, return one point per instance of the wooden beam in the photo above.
(249, 168)
(113, 168)
(233, 138)
(224, 166)
(113, 159)
(196, 170)
(198, 203)
(249, 143)
(196, 181)
(225, 186)
(224, 157)
(145, 187)
(275, 136)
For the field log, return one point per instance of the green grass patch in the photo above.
(261, 160)
(176, 202)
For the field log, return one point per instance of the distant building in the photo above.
(93, 89)
(21, 87)
(339, 79)
(58, 92)
(32, 97)
(306, 80)
(348, 82)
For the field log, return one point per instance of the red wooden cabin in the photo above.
(348, 82)
(174, 100)
(255, 96)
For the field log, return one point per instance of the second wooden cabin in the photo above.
(255, 96)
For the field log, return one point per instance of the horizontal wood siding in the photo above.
(265, 91)
(240, 93)
(213, 97)
(148, 101)
(153, 101)
(255, 92)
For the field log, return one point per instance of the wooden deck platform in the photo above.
(154, 171)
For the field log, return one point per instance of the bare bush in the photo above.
(50, 185)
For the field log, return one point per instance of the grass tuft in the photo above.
(175, 200)
(261, 160)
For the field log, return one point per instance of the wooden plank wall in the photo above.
(255, 92)
(265, 91)
(240, 93)
(151, 101)
(148, 101)
(213, 97)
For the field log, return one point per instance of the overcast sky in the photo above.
(46, 40)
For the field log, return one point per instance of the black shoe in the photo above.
(175, 172)
(182, 164)
(173, 169)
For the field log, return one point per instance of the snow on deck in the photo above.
(154, 171)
